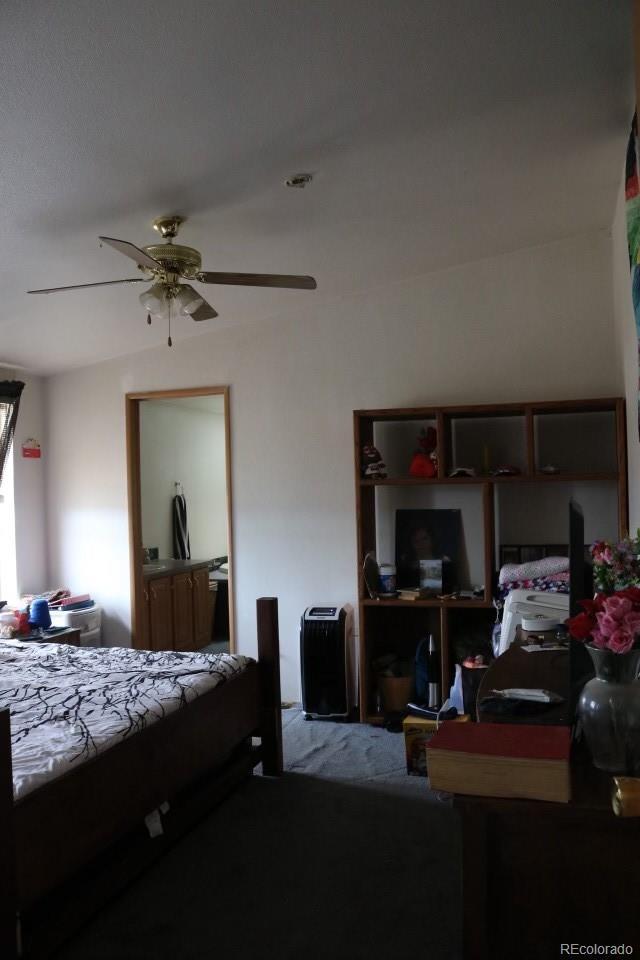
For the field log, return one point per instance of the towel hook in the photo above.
(178, 486)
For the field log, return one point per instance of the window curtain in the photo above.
(10, 392)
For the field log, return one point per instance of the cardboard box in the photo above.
(418, 731)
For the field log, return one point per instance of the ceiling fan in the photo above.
(167, 264)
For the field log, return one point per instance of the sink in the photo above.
(153, 567)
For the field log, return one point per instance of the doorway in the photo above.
(180, 538)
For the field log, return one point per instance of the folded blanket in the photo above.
(546, 567)
(558, 583)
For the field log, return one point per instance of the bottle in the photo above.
(387, 578)
(433, 673)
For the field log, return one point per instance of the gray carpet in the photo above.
(343, 858)
(353, 752)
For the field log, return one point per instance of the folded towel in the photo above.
(546, 567)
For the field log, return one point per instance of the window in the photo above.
(8, 578)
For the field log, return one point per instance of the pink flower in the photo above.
(607, 623)
(617, 607)
(607, 555)
(621, 641)
(597, 639)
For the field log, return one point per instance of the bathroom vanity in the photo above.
(178, 605)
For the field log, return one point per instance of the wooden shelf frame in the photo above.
(444, 417)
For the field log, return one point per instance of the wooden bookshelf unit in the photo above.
(584, 440)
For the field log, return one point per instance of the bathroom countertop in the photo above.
(168, 568)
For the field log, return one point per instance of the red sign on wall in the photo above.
(31, 448)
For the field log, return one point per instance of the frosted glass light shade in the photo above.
(187, 300)
(154, 301)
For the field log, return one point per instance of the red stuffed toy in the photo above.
(425, 461)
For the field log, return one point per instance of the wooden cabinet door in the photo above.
(201, 608)
(160, 618)
(183, 611)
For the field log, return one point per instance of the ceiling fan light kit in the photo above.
(166, 264)
(157, 298)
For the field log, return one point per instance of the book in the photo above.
(78, 605)
(71, 603)
(502, 760)
(414, 593)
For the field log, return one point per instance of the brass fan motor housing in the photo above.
(176, 259)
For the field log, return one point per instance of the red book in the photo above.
(505, 740)
(501, 760)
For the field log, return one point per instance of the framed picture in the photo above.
(428, 535)
(431, 576)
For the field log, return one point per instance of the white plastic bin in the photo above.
(87, 621)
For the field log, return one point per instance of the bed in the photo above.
(69, 840)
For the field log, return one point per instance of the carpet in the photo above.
(345, 857)
(352, 752)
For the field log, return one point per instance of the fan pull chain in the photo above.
(169, 341)
(149, 318)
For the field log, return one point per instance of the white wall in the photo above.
(535, 324)
(185, 443)
(627, 349)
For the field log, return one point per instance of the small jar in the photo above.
(387, 578)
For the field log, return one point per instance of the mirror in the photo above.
(179, 478)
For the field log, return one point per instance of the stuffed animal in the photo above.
(372, 464)
(425, 460)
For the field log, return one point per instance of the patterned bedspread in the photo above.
(70, 703)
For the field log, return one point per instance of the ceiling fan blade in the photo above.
(204, 312)
(83, 286)
(259, 280)
(130, 250)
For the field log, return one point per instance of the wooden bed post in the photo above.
(8, 892)
(269, 660)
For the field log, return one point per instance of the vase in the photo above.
(609, 710)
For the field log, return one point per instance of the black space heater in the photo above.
(326, 662)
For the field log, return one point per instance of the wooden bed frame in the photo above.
(70, 845)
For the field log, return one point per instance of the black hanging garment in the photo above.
(181, 546)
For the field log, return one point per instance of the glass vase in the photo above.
(609, 710)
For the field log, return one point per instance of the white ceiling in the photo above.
(438, 131)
